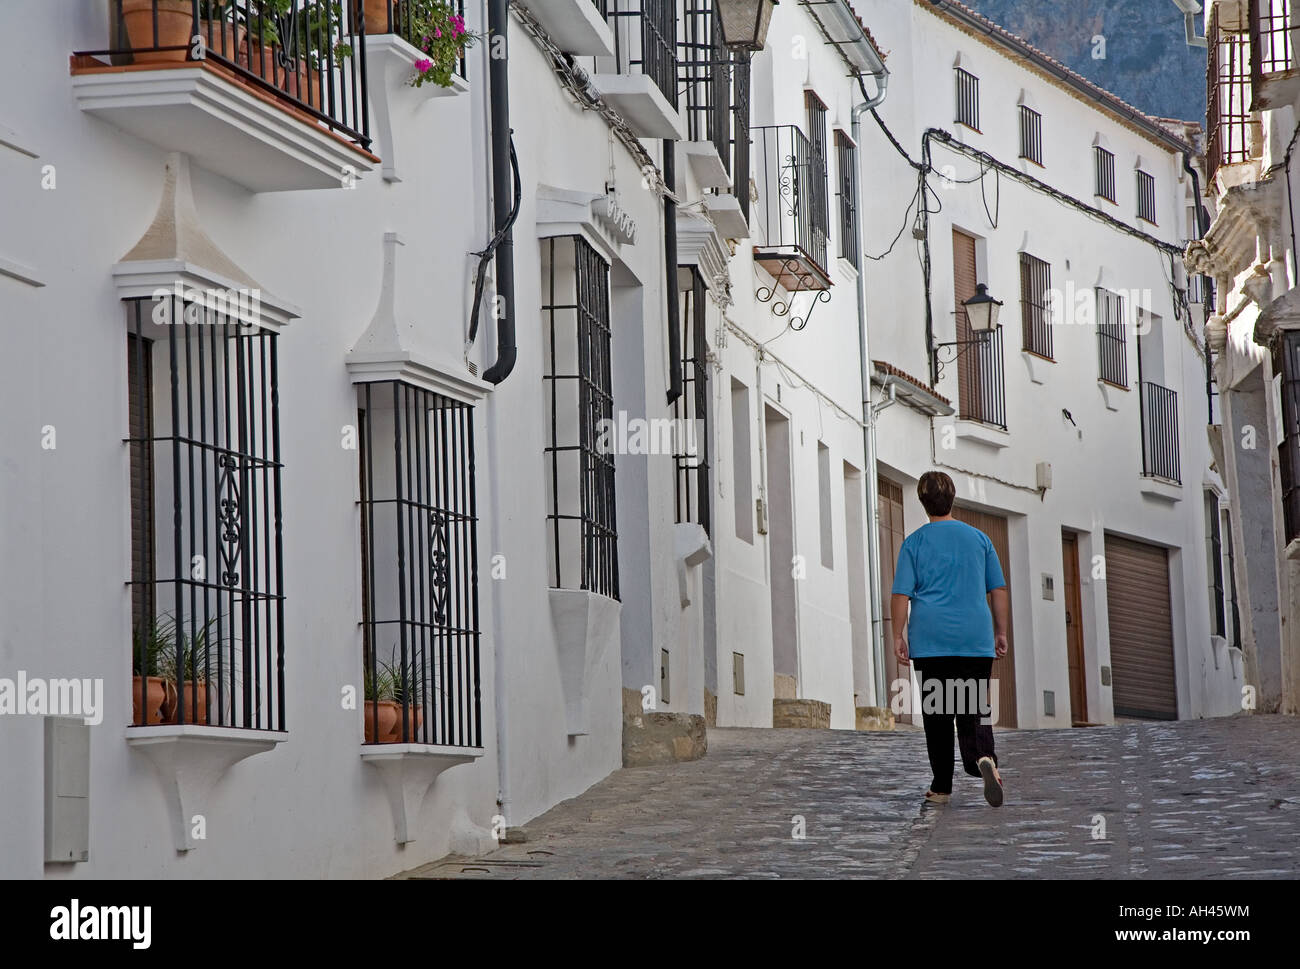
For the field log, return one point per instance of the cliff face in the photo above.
(1146, 58)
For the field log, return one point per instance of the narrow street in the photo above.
(1190, 799)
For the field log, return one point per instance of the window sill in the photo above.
(1161, 489)
(586, 629)
(978, 432)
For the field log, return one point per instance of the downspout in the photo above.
(498, 12)
(504, 169)
(670, 260)
(1207, 294)
(869, 414)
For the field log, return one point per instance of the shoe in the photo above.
(992, 781)
(933, 798)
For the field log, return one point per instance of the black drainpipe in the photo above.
(1202, 227)
(502, 194)
(670, 257)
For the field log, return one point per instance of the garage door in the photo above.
(1004, 669)
(1141, 630)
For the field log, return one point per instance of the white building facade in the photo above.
(400, 461)
(1248, 255)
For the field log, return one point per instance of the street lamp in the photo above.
(982, 311)
(744, 23)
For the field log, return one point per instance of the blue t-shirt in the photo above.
(947, 569)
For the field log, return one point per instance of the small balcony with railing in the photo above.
(640, 80)
(791, 215)
(271, 94)
(714, 98)
(1160, 453)
(1233, 135)
(575, 26)
(1274, 78)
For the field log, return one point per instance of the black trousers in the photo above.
(955, 687)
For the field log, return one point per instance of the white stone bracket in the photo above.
(409, 771)
(586, 627)
(190, 759)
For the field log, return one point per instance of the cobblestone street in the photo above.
(1196, 799)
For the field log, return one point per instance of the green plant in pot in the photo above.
(186, 662)
(296, 60)
(380, 710)
(409, 691)
(153, 698)
(441, 36)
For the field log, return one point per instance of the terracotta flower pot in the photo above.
(159, 697)
(376, 17)
(175, 29)
(390, 721)
(196, 703)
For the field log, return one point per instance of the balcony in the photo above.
(981, 382)
(1160, 433)
(1274, 79)
(1232, 138)
(640, 80)
(268, 93)
(790, 218)
(576, 26)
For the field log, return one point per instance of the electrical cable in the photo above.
(486, 255)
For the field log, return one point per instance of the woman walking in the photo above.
(946, 570)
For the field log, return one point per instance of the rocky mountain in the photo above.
(1134, 48)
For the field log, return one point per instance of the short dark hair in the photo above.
(937, 493)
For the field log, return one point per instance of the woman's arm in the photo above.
(1001, 614)
(898, 606)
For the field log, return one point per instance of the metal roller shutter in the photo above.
(1141, 630)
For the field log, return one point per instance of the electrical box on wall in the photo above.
(760, 511)
(67, 789)
(1049, 703)
(1043, 475)
(1049, 586)
(1105, 676)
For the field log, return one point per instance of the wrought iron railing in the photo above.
(846, 168)
(1035, 305)
(206, 567)
(1160, 457)
(705, 78)
(303, 52)
(981, 381)
(740, 134)
(790, 183)
(645, 41)
(1228, 96)
(1286, 365)
(419, 562)
(1112, 339)
(691, 492)
(1272, 48)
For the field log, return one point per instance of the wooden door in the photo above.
(1074, 627)
(969, 375)
(890, 508)
(1141, 630)
(1004, 669)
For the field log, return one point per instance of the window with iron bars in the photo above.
(1031, 135)
(1233, 611)
(1286, 364)
(582, 537)
(645, 41)
(821, 221)
(1112, 338)
(740, 136)
(1035, 311)
(1214, 550)
(1272, 49)
(968, 99)
(207, 575)
(846, 158)
(1228, 95)
(1104, 162)
(691, 410)
(419, 565)
(1146, 191)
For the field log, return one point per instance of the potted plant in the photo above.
(381, 712)
(176, 28)
(376, 15)
(440, 34)
(185, 665)
(409, 692)
(318, 23)
(152, 697)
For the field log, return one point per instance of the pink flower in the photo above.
(424, 65)
(437, 32)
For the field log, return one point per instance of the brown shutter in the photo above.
(964, 282)
(1004, 668)
(139, 369)
(890, 507)
(1141, 630)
